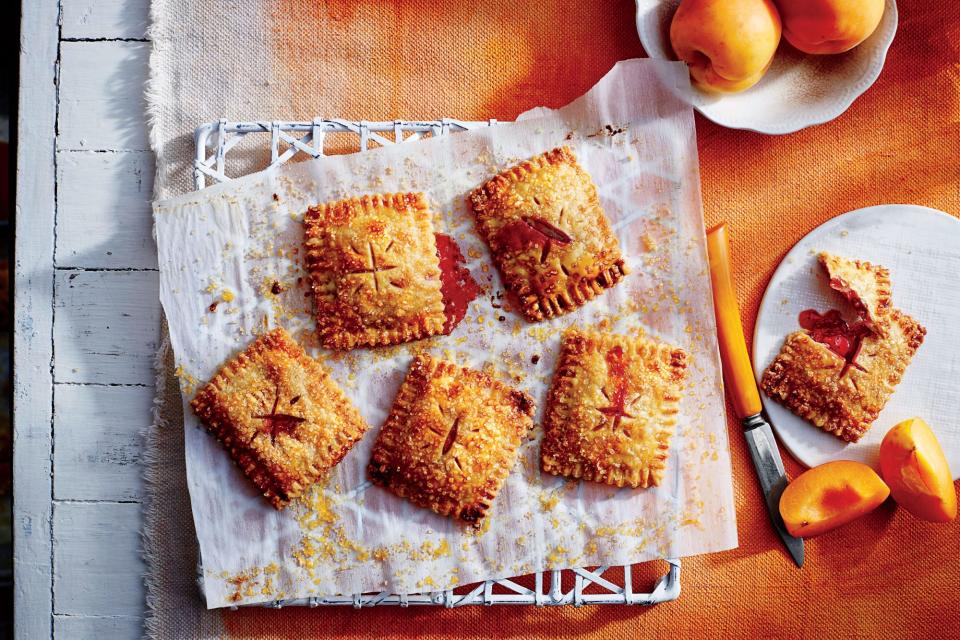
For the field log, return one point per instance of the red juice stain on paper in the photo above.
(830, 329)
(457, 286)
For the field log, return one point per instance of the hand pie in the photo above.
(840, 379)
(375, 271)
(284, 421)
(451, 439)
(865, 286)
(612, 409)
(548, 234)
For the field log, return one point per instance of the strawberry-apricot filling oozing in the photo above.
(841, 337)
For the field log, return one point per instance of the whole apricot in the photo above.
(829, 26)
(728, 44)
(830, 495)
(913, 464)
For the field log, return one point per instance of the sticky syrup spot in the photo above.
(841, 337)
(531, 231)
(457, 286)
(616, 374)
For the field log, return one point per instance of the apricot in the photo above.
(728, 44)
(914, 466)
(830, 495)
(829, 26)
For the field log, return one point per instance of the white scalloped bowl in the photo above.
(799, 90)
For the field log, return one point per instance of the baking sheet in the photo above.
(222, 249)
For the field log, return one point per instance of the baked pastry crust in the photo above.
(284, 421)
(612, 409)
(548, 234)
(866, 286)
(374, 269)
(451, 439)
(821, 387)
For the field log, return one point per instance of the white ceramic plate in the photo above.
(921, 247)
(798, 91)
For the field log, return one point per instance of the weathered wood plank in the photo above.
(99, 627)
(97, 431)
(107, 326)
(97, 568)
(33, 276)
(105, 18)
(103, 213)
(102, 104)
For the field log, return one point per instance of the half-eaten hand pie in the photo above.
(612, 409)
(451, 439)
(548, 234)
(839, 376)
(284, 421)
(375, 271)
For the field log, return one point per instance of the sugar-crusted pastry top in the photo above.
(283, 419)
(548, 234)
(375, 271)
(612, 408)
(867, 287)
(451, 438)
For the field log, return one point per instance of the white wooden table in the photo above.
(87, 318)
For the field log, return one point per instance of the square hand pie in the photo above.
(839, 376)
(285, 422)
(612, 409)
(548, 234)
(375, 271)
(838, 396)
(867, 287)
(451, 439)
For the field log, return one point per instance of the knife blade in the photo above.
(742, 385)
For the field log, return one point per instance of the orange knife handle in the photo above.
(737, 370)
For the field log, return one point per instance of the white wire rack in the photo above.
(577, 587)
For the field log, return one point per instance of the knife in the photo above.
(742, 385)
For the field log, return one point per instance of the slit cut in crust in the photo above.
(284, 421)
(451, 439)
(548, 234)
(612, 409)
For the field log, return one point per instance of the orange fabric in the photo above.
(887, 574)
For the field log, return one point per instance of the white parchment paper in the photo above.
(227, 251)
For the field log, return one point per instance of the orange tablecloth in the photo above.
(887, 574)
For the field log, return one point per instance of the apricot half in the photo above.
(830, 495)
(914, 466)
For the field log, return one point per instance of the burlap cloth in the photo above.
(887, 574)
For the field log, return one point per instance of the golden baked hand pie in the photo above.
(285, 422)
(838, 395)
(375, 271)
(839, 375)
(451, 439)
(867, 287)
(548, 234)
(612, 409)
